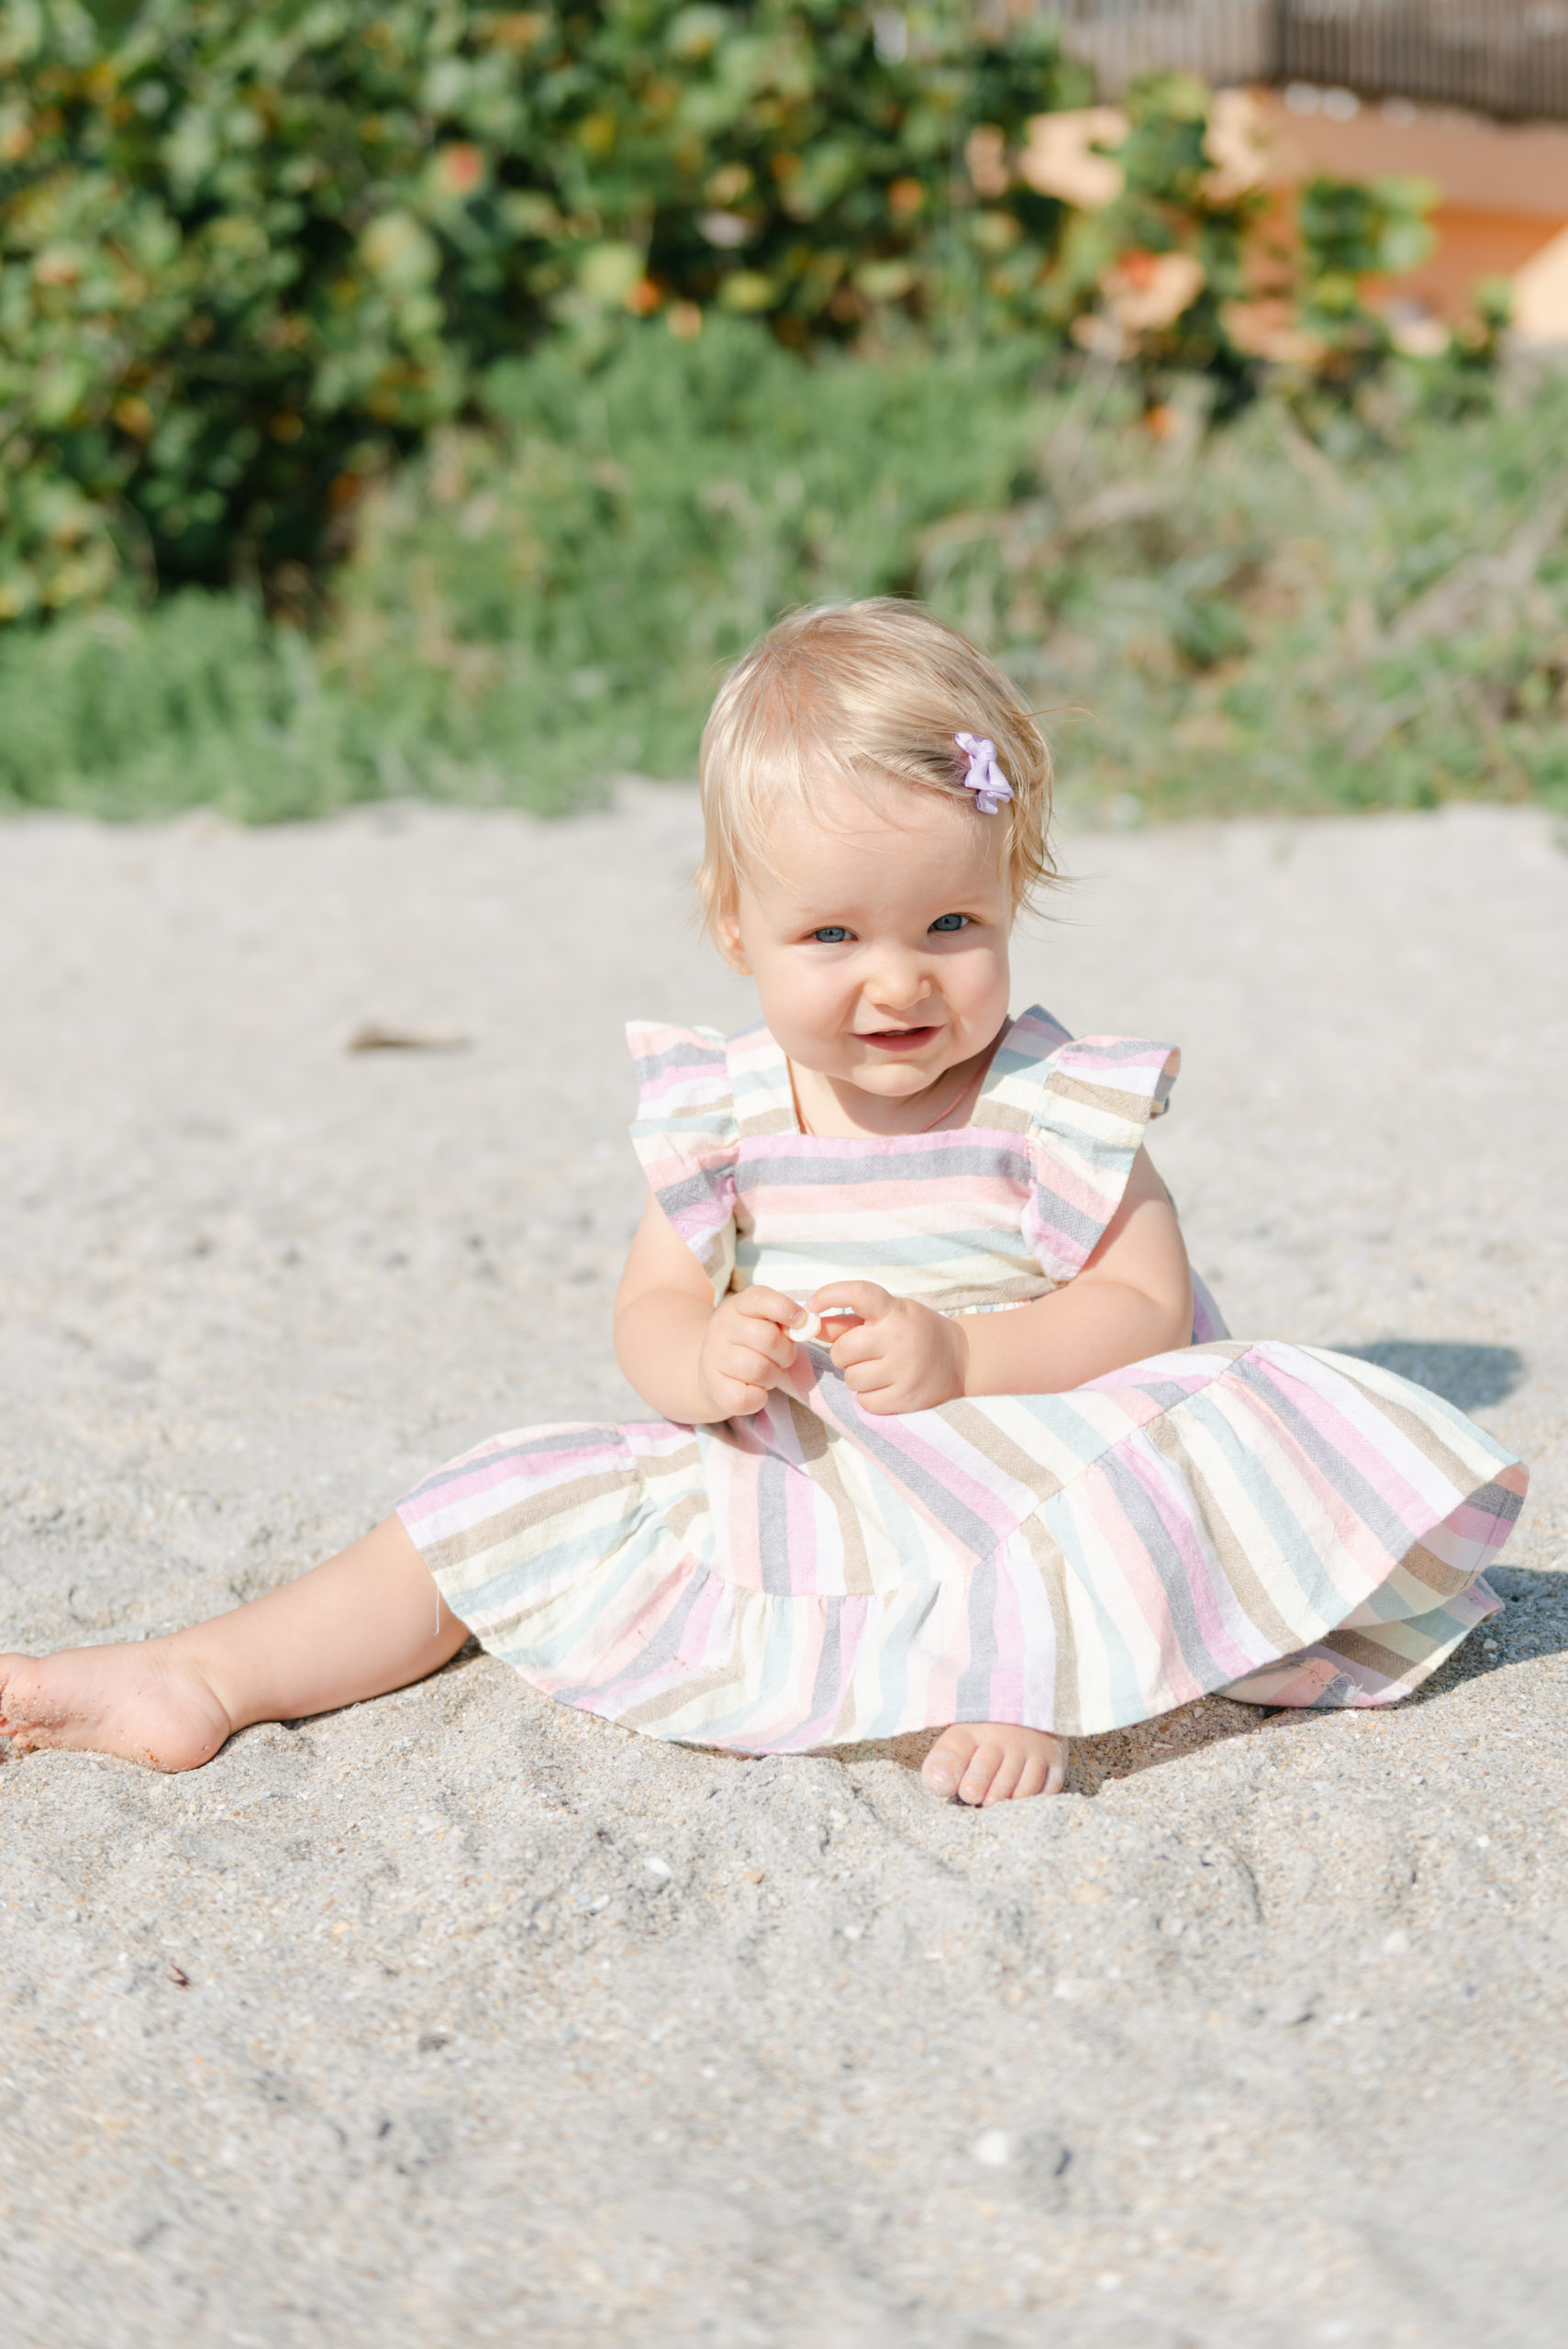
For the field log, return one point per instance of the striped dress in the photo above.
(1283, 1524)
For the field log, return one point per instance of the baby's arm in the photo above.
(694, 1361)
(1133, 1298)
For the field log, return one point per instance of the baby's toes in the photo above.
(982, 1771)
(945, 1764)
(983, 1762)
(1007, 1778)
(1034, 1778)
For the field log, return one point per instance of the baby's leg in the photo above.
(368, 1620)
(986, 1762)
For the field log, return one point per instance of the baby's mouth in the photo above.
(897, 1040)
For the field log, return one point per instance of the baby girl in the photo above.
(946, 1435)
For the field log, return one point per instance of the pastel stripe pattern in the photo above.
(686, 1136)
(995, 1213)
(1292, 1526)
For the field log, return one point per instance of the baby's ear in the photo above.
(727, 938)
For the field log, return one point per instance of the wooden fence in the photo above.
(1501, 57)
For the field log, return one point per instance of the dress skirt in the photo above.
(1275, 1522)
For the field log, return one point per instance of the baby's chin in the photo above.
(897, 1077)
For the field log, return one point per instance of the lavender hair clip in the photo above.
(985, 778)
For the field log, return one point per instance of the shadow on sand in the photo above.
(1534, 1623)
(1467, 1376)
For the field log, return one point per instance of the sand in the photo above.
(461, 2019)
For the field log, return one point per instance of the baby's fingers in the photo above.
(867, 1298)
(765, 1359)
(875, 1391)
(885, 1402)
(758, 1331)
(769, 1305)
(736, 1400)
(864, 1341)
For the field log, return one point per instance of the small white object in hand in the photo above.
(808, 1328)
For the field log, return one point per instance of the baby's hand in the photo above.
(745, 1352)
(899, 1356)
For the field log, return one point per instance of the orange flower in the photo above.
(1267, 328)
(460, 169)
(521, 29)
(133, 415)
(1147, 291)
(1059, 158)
(986, 157)
(1236, 144)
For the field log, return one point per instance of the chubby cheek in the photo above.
(976, 987)
(806, 1006)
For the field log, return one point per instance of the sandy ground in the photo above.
(459, 2017)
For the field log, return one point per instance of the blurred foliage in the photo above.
(1351, 231)
(255, 252)
(252, 249)
(199, 701)
(1154, 274)
(1372, 613)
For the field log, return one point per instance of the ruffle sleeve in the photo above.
(1097, 1097)
(687, 1138)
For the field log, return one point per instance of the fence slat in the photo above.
(1501, 57)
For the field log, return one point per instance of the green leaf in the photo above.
(608, 272)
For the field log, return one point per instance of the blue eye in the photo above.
(832, 933)
(950, 921)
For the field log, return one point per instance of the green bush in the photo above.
(1251, 620)
(252, 251)
(579, 580)
(255, 252)
(1374, 618)
(200, 701)
(1176, 202)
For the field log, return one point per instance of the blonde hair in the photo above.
(843, 691)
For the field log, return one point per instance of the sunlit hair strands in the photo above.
(844, 692)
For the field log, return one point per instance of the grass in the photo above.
(1241, 618)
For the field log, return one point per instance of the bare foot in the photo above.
(145, 1701)
(987, 1762)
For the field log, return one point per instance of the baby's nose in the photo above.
(901, 989)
